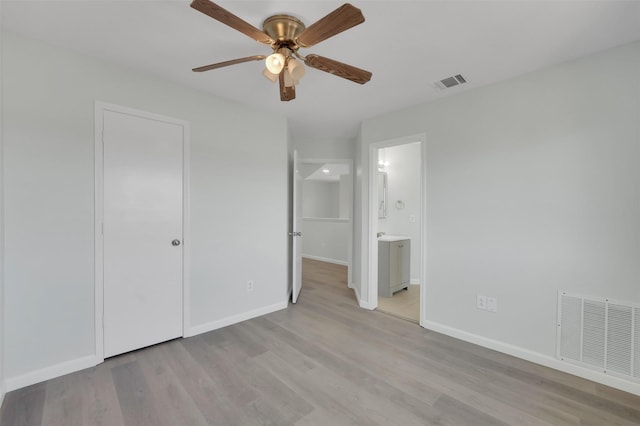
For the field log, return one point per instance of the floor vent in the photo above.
(600, 333)
(448, 82)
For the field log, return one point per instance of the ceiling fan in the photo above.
(286, 34)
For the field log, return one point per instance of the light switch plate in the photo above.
(492, 304)
(481, 302)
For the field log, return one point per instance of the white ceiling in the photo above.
(332, 173)
(407, 45)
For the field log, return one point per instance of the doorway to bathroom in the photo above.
(397, 228)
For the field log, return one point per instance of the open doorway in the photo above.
(327, 206)
(398, 233)
(397, 228)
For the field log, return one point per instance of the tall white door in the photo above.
(296, 229)
(142, 243)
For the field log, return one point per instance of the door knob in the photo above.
(175, 242)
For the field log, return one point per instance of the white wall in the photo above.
(360, 225)
(310, 148)
(238, 200)
(403, 183)
(325, 239)
(320, 199)
(346, 196)
(532, 187)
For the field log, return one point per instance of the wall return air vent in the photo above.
(602, 334)
(449, 82)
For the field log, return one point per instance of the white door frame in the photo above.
(351, 194)
(100, 108)
(372, 247)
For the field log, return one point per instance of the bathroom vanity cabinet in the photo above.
(394, 264)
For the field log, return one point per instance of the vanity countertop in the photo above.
(392, 238)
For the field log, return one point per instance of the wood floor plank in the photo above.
(177, 406)
(103, 408)
(64, 402)
(221, 372)
(135, 397)
(24, 407)
(463, 414)
(211, 399)
(322, 361)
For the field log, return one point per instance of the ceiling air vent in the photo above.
(449, 82)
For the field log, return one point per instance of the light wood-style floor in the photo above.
(403, 304)
(323, 362)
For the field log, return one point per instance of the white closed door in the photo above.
(296, 233)
(142, 231)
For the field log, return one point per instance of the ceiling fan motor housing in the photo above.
(283, 28)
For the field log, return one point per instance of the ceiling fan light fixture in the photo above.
(269, 75)
(275, 63)
(288, 80)
(296, 68)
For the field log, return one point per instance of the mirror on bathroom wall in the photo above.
(382, 195)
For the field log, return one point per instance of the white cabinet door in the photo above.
(143, 184)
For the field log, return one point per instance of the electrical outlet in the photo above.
(412, 218)
(481, 302)
(492, 304)
(249, 285)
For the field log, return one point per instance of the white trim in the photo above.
(414, 281)
(234, 319)
(372, 246)
(2, 263)
(186, 226)
(535, 357)
(326, 259)
(97, 231)
(325, 219)
(51, 372)
(99, 109)
(361, 302)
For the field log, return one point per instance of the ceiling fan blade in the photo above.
(222, 15)
(286, 93)
(340, 69)
(227, 63)
(341, 19)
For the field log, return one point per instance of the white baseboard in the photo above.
(414, 281)
(357, 292)
(326, 259)
(67, 367)
(362, 303)
(234, 319)
(51, 372)
(535, 357)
